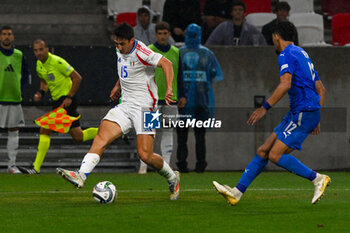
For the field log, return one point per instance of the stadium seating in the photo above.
(332, 7)
(63, 22)
(254, 6)
(301, 6)
(202, 4)
(260, 19)
(310, 28)
(129, 17)
(115, 7)
(341, 29)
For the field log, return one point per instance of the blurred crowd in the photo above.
(223, 21)
(241, 22)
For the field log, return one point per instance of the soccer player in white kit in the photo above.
(136, 65)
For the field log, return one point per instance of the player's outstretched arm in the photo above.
(115, 92)
(167, 67)
(280, 91)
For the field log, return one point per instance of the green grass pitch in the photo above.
(275, 202)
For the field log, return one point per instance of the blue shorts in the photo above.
(295, 127)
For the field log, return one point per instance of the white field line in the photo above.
(161, 191)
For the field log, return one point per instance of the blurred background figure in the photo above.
(282, 12)
(14, 73)
(215, 12)
(236, 31)
(199, 69)
(179, 14)
(145, 29)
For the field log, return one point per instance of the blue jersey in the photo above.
(303, 95)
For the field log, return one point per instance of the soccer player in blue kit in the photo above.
(306, 94)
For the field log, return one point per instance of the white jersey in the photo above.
(136, 74)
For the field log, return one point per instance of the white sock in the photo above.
(143, 164)
(12, 147)
(238, 194)
(167, 172)
(166, 145)
(317, 178)
(88, 164)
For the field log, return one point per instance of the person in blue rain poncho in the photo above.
(200, 69)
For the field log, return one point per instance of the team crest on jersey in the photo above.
(119, 60)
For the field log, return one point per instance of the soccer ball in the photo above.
(104, 192)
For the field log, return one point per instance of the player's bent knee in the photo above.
(273, 157)
(144, 155)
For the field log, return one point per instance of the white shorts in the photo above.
(128, 117)
(11, 116)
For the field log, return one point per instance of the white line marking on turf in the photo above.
(159, 191)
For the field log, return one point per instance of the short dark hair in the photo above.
(162, 25)
(124, 31)
(238, 3)
(6, 27)
(282, 6)
(143, 10)
(41, 40)
(286, 30)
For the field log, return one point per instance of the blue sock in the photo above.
(254, 168)
(293, 165)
